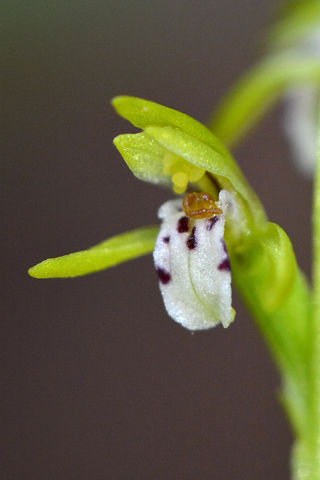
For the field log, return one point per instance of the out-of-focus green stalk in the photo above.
(257, 91)
(306, 457)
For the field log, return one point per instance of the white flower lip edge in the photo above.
(193, 266)
(300, 119)
(300, 126)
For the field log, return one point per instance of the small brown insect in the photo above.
(200, 205)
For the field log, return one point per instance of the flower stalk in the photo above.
(306, 454)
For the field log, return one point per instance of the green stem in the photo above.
(285, 337)
(257, 91)
(306, 452)
(285, 327)
(306, 457)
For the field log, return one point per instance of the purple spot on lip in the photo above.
(183, 225)
(225, 265)
(166, 239)
(224, 245)
(163, 275)
(192, 241)
(211, 222)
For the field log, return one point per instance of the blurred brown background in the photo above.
(97, 381)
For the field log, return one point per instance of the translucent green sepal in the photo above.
(258, 90)
(144, 157)
(109, 253)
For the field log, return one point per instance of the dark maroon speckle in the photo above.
(166, 239)
(163, 275)
(211, 222)
(225, 265)
(192, 241)
(183, 225)
(223, 243)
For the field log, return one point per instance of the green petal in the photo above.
(107, 254)
(150, 162)
(143, 156)
(223, 167)
(257, 91)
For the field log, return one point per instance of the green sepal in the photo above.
(258, 90)
(143, 113)
(109, 253)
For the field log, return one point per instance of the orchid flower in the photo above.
(213, 230)
(175, 151)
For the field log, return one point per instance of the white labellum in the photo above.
(193, 266)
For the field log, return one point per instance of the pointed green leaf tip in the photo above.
(109, 253)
